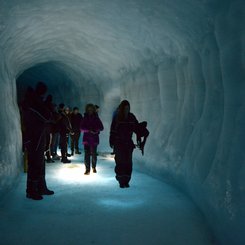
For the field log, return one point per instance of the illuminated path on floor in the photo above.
(94, 210)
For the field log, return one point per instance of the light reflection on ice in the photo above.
(74, 173)
(117, 203)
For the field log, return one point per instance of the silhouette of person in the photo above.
(65, 130)
(76, 119)
(36, 118)
(91, 126)
(55, 133)
(49, 132)
(123, 125)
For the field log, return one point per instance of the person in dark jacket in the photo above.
(65, 130)
(91, 126)
(55, 133)
(123, 125)
(36, 117)
(49, 132)
(76, 119)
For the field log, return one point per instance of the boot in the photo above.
(87, 172)
(34, 196)
(78, 152)
(32, 190)
(43, 189)
(127, 185)
(65, 160)
(55, 157)
(47, 192)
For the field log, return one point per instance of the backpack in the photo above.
(142, 131)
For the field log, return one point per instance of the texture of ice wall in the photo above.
(180, 63)
(11, 143)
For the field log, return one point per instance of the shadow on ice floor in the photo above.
(94, 210)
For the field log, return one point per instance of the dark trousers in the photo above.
(90, 152)
(48, 145)
(75, 141)
(36, 164)
(124, 165)
(63, 145)
(55, 143)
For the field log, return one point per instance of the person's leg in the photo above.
(119, 168)
(32, 175)
(53, 151)
(94, 158)
(47, 140)
(123, 169)
(77, 136)
(57, 143)
(72, 144)
(63, 146)
(67, 144)
(42, 186)
(54, 146)
(87, 158)
(36, 166)
(128, 167)
(48, 148)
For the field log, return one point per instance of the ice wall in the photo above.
(179, 62)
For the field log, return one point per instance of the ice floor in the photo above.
(94, 210)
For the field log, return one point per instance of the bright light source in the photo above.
(70, 173)
(74, 173)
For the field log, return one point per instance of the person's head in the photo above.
(75, 110)
(123, 110)
(97, 108)
(29, 92)
(61, 107)
(90, 109)
(67, 110)
(41, 88)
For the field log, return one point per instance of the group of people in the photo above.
(46, 127)
(64, 124)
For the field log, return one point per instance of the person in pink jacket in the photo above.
(91, 126)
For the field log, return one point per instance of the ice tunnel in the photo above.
(179, 62)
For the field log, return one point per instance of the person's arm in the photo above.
(112, 133)
(99, 126)
(135, 128)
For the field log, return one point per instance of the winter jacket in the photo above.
(121, 131)
(76, 120)
(35, 116)
(91, 125)
(65, 125)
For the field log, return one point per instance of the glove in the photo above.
(139, 144)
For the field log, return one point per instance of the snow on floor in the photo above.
(94, 210)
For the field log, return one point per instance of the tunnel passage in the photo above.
(65, 85)
(179, 63)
